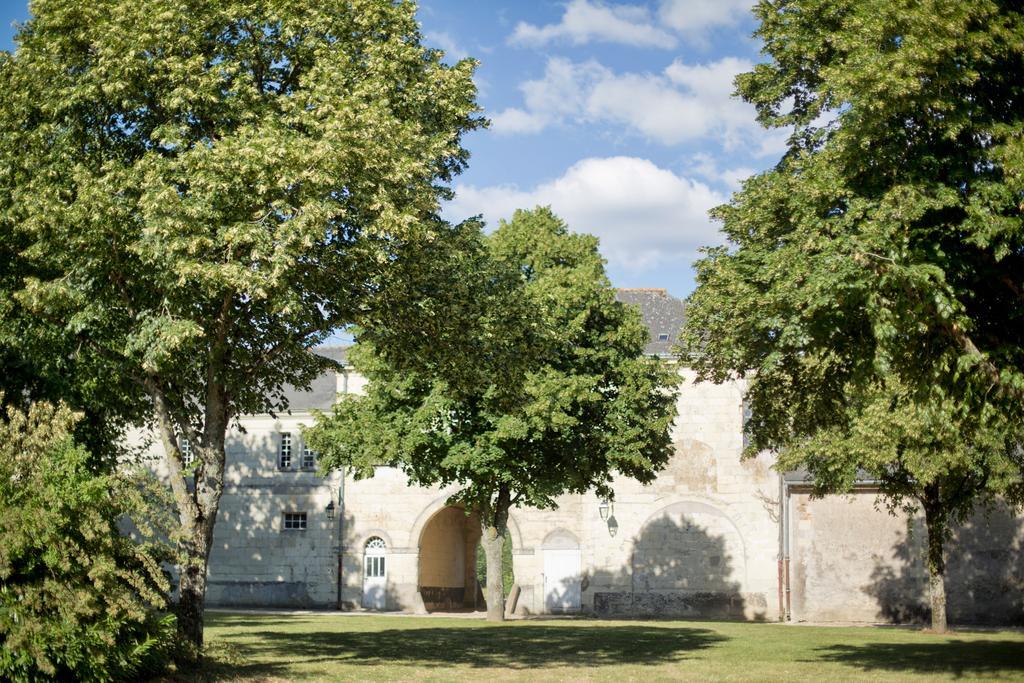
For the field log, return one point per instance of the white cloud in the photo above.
(561, 94)
(692, 16)
(443, 40)
(585, 21)
(512, 120)
(644, 215)
(686, 102)
(705, 166)
(650, 106)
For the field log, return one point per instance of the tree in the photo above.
(208, 190)
(552, 396)
(40, 361)
(872, 287)
(78, 599)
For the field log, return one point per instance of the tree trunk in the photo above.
(192, 588)
(493, 539)
(197, 507)
(936, 522)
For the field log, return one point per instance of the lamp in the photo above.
(330, 510)
(605, 508)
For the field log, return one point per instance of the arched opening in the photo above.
(689, 560)
(375, 573)
(447, 561)
(689, 546)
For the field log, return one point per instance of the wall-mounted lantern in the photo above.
(330, 510)
(605, 508)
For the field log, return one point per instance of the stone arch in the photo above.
(560, 539)
(441, 502)
(446, 560)
(689, 545)
(364, 538)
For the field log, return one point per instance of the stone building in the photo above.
(713, 536)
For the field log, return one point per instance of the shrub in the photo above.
(79, 600)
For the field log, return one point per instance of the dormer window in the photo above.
(663, 336)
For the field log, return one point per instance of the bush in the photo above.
(78, 599)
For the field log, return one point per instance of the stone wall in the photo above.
(853, 562)
(255, 561)
(700, 540)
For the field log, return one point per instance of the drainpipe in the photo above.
(785, 522)
(787, 503)
(782, 552)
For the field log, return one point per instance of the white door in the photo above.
(562, 580)
(375, 573)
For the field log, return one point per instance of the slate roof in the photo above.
(663, 313)
(323, 391)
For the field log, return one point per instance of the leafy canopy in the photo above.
(873, 285)
(199, 192)
(77, 598)
(565, 396)
(196, 179)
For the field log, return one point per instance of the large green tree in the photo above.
(205, 190)
(873, 284)
(553, 394)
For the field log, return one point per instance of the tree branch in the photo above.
(188, 508)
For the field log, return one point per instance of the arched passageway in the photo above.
(447, 561)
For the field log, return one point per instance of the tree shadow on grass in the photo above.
(269, 651)
(951, 656)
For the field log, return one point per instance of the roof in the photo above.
(663, 314)
(323, 391)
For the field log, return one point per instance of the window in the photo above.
(374, 566)
(295, 521)
(308, 458)
(284, 458)
(663, 336)
(187, 456)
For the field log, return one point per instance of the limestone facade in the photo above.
(713, 536)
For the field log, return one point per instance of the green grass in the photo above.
(331, 647)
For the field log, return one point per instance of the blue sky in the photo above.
(618, 115)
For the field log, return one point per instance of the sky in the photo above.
(618, 115)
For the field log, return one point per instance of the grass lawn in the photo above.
(329, 647)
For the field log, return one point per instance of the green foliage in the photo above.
(552, 395)
(873, 288)
(196, 193)
(78, 599)
(181, 170)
